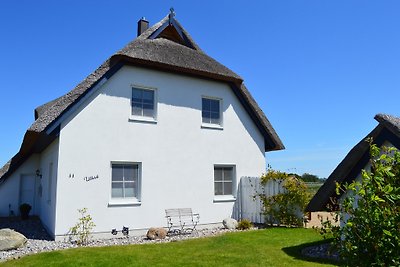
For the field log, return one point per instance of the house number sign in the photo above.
(89, 178)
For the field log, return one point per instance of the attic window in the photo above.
(143, 103)
(211, 111)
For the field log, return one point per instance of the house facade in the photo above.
(158, 125)
(386, 133)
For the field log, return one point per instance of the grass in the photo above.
(268, 247)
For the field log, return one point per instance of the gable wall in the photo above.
(177, 155)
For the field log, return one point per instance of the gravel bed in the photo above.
(322, 251)
(40, 242)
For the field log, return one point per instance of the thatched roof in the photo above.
(388, 129)
(165, 46)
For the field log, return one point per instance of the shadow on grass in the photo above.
(295, 252)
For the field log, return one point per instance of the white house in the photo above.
(158, 125)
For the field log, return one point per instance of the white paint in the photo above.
(176, 153)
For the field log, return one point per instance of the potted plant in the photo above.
(24, 209)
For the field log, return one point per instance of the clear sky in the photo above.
(320, 70)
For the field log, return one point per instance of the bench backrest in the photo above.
(185, 212)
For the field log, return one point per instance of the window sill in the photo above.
(142, 119)
(124, 202)
(211, 126)
(218, 199)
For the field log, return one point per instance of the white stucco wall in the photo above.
(48, 196)
(176, 154)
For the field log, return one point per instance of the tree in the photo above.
(370, 213)
(310, 178)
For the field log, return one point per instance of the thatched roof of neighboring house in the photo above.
(166, 46)
(388, 129)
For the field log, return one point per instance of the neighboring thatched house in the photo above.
(387, 133)
(158, 125)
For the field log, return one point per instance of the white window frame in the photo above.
(226, 198)
(138, 118)
(219, 125)
(124, 201)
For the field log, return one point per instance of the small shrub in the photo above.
(80, 233)
(244, 224)
(24, 209)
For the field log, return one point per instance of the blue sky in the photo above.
(320, 70)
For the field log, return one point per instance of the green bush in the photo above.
(370, 213)
(285, 208)
(244, 224)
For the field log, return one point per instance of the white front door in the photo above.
(27, 191)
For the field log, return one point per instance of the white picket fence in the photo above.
(247, 205)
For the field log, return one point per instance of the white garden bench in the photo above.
(181, 221)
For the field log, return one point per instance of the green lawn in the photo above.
(269, 247)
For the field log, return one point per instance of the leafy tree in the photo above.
(370, 213)
(311, 178)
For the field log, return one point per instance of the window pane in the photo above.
(205, 104)
(227, 188)
(228, 174)
(148, 110)
(217, 174)
(117, 190)
(128, 173)
(218, 188)
(214, 118)
(136, 95)
(214, 106)
(148, 96)
(130, 189)
(117, 172)
(137, 109)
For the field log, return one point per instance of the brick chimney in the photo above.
(143, 25)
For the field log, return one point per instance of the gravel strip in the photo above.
(36, 245)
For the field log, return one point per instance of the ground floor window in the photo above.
(224, 180)
(125, 179)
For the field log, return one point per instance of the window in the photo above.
(125, 181)
(211, 111)
(224, 180)
(143, 102)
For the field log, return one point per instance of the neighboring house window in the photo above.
(211, 111)
(125, 180)
(143, 102)
(224, 180)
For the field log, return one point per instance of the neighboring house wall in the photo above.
(10, 190)
(177, 156)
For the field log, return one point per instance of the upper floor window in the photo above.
(125, 180)
(211, 111)
(143, 103)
